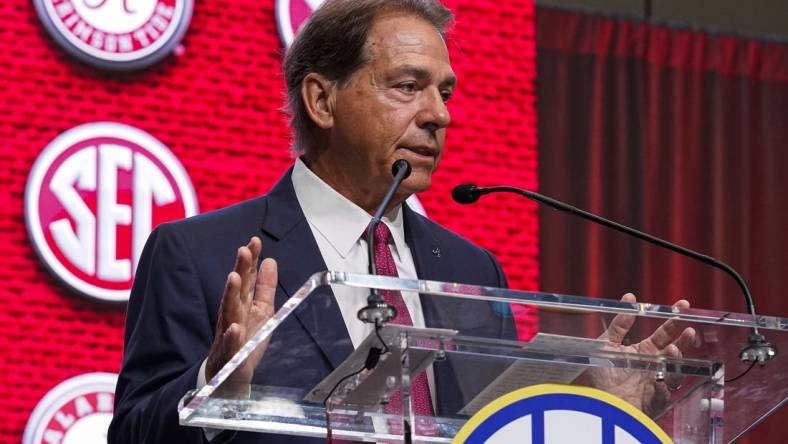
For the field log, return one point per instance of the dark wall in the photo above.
(756, 17)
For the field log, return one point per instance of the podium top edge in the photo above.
(547, 300)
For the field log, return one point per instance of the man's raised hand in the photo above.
(668, 339)
(640, 388)
(247, 303)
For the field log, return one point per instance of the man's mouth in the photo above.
(422, 151)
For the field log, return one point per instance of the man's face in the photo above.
(394, 106)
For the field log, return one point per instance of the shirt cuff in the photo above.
(210, 434)
(201, 376)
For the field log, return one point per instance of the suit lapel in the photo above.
(291, 243)
(427, 255)
(289, 240)
(432, 263)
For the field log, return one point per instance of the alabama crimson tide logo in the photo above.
(76, 411)
(291, 14)
(92, 198)
(116, 34)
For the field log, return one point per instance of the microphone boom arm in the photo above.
(758, 350)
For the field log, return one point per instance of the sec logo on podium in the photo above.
(92, 198)
(558, 414)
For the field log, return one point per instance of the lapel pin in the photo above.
(436, 252)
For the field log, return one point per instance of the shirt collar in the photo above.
(335, 217)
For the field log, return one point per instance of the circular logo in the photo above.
(560, 413)
(116, 34)
(93, 196)
(76, 411)
(290, 15)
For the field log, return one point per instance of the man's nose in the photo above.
(433, 114)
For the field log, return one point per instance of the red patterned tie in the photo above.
(384, 261)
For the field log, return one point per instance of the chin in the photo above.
(416, 183)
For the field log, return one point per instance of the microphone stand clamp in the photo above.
(377, 310)
(759, 349)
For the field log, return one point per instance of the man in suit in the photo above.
(367, 82)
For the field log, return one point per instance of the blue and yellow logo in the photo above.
(553, 413)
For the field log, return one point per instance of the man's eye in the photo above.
(446, 94)
(408, 87)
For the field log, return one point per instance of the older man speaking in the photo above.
(367, 84)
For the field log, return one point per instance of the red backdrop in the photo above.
(679, 133)
(216, 107)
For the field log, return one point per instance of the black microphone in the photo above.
(758, 350)
(377, 310)
(466, 193)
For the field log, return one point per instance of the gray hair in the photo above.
(331, 44)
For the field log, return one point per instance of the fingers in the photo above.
(238, 315)
(669, 331)
(665, 334)
(262, 308)
(680, 345)
(224, 346)
(686, 340)
(265, 287)
(243, 257)
(246, 267)
(256, 246)
(230, 309)
(621, 323)
(673, 381)
(672, 351)
(237, 295)
(232, 341)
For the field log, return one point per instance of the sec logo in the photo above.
(92, 198)
(554, 413)
(76, 411)
(116, 34)
(290, 15)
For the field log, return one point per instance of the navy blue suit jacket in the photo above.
(175, 299)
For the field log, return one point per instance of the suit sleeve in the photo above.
(168, 333)
(508, 328)
(501, 277)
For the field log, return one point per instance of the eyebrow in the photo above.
(420, 74)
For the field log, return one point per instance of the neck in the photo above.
(364, 193)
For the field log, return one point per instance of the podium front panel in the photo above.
(484, 359)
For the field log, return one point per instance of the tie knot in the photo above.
(382, 234)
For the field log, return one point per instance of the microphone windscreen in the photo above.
(400, 164)
(465, 193)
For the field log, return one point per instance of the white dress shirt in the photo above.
(337, 225)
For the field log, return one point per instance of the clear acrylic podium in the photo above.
(472, 357)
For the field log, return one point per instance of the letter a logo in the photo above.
(290, 15)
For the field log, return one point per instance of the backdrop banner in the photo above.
(679, 133)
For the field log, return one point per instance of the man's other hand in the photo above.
(247, 303)
(641, 388)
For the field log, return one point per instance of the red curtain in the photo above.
(680, 133)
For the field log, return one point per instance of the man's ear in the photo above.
(317, 93)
